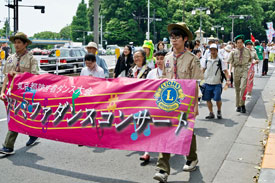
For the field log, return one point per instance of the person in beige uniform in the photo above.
(180, 64)
(240, 58)
(20, 62)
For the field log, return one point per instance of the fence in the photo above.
(74, 70)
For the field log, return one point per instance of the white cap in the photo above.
(92, 44)
(213, 46)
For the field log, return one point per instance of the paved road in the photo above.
(51, 161)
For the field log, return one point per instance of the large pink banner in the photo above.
(124, 113)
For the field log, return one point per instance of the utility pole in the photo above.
(15, 13)
(155, 26)
(96, 21)
(183, 10)
(148, 22)
(9, 18)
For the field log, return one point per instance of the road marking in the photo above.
(4, 119)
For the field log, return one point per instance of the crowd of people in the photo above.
(185, 59)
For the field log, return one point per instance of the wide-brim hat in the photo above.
(241, 36)
(92, 45)
(182, 26)
(20, 35)
(228, 48)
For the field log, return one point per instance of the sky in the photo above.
(58, 14)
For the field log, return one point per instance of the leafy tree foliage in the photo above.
(65, 32)
(46, 35)
(80, 23)
(126, 20)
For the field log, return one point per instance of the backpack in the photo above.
(219, 68)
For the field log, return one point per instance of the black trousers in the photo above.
(265, 66)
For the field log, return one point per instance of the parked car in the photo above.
(101, 50)
(110, 49)
(70, 60)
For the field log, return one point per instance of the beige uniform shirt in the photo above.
(188, 67)
(27, 64)
(234, 58)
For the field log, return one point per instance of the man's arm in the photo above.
(5, 82)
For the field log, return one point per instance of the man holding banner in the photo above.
(180, 64)
(240, 59)
(20, 62)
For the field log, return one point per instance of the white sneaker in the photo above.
(190, 166)
(161, 177)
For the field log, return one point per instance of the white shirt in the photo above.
(96, 72)
(212, 75)
(154, 74)
(266, 50)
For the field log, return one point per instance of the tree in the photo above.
(80, 23)
(46, 35)
(65, 32)
(5, 30)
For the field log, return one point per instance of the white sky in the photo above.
(58, 13)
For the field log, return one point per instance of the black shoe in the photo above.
(243, 110)
(5, 150)
(31, 141)
(238, 109)
(219, 115)
(210, 116)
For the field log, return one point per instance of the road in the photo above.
(221, 150)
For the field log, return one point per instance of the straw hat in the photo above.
(22, 36)
(182, 26)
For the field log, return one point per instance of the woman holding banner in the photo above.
(140, 70)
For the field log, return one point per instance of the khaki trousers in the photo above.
(163, 159)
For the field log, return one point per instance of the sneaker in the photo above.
(243, 110)
(210, 116)
(31, 141)
(145, 157)
(219, 115)
(161, 176)
(238, 109)
(190, 165)
(5, 150)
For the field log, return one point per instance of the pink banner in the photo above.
(249, 82)
(123, 113)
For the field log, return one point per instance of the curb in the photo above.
(267, 174)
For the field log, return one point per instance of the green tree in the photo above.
(65, 32)
(46, 35)
(80, 23)
(5, 30)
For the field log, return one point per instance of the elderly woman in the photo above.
(140, 70)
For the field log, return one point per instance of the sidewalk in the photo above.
(267, 174)
(243, 161)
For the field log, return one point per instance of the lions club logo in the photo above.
(168, 95)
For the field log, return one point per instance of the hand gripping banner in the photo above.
(123, 113)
